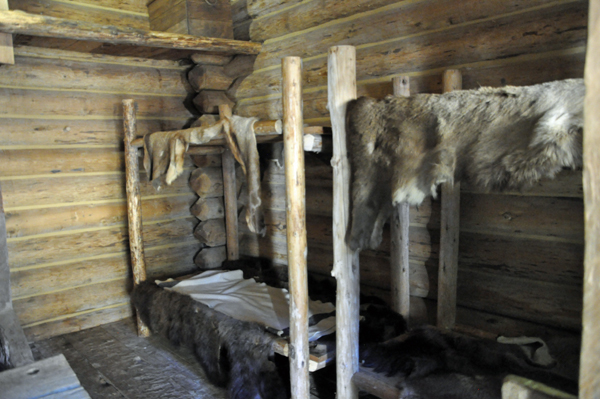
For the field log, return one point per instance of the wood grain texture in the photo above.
(342, 89)
(105, 14)
(296, 224)
(589, 380)
(400, 239)
(230, 208)
(36, 25)
(7, 55)
(449, 233)
(558, 27)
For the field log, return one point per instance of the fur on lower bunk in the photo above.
(436, 365)
(402, 148)
(233, 353)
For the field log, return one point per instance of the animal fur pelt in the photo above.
(402, 148)
(5, 362)
(164, 151)
(437, 365)
(233, 353)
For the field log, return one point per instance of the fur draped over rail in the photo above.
(402, 148)
(233, 353)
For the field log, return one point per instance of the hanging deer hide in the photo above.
(402, 148)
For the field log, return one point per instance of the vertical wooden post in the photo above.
(230, 195)
(399, 235)
(134, 203)
(450, 226)
(296, 224)
(589, 370)
(7, 55)
(341, 88)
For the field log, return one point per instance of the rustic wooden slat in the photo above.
(40, 308)
(57, 248)
(558, 27)
(589, 380)
(172, 260)
(367, 381)
(51, 377)
(306, 15)
(565, 64)
(58, 74)
(80, 12)
(53, 104)
(37, 191)
(30, 24)
(27, 222)
(77, 322)
(131, 6)
(43, 132)
(257, 8)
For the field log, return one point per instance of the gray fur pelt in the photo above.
(402, 148)
(233, 353)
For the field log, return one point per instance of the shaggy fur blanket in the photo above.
(233, 353)
(402, 148)
(436, 365)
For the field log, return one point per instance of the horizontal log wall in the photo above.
(521, 253)
(62, 176)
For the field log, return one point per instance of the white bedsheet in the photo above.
(247, 300)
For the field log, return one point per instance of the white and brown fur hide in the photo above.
(233, 353)
(402, 148)
(241, 140)
(164, 151)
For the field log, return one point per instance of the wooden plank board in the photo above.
(51, 104)
(418, 53)
(58, 248)
(396, 20)
(39, 191)
(77, 322)
(566, 63)
(144, 378)
(43, 132)
(31, 24)
(90, 76)
(515, 387)
(101, 14)
(167, 260)
(42, 379)
(27, 222)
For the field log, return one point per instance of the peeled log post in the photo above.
(450, 226)
(589, 374)
(134, 203)
(296, 225)
(341, 85)
(400, 222)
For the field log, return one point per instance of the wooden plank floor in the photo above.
(112, 362)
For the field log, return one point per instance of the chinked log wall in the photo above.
(62, 173)
(521, 254)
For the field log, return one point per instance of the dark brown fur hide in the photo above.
(402, 148)
(233, 353)
(447, 366)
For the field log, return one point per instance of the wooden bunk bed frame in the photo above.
(342, 88)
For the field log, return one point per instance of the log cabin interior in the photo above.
(519, 263)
